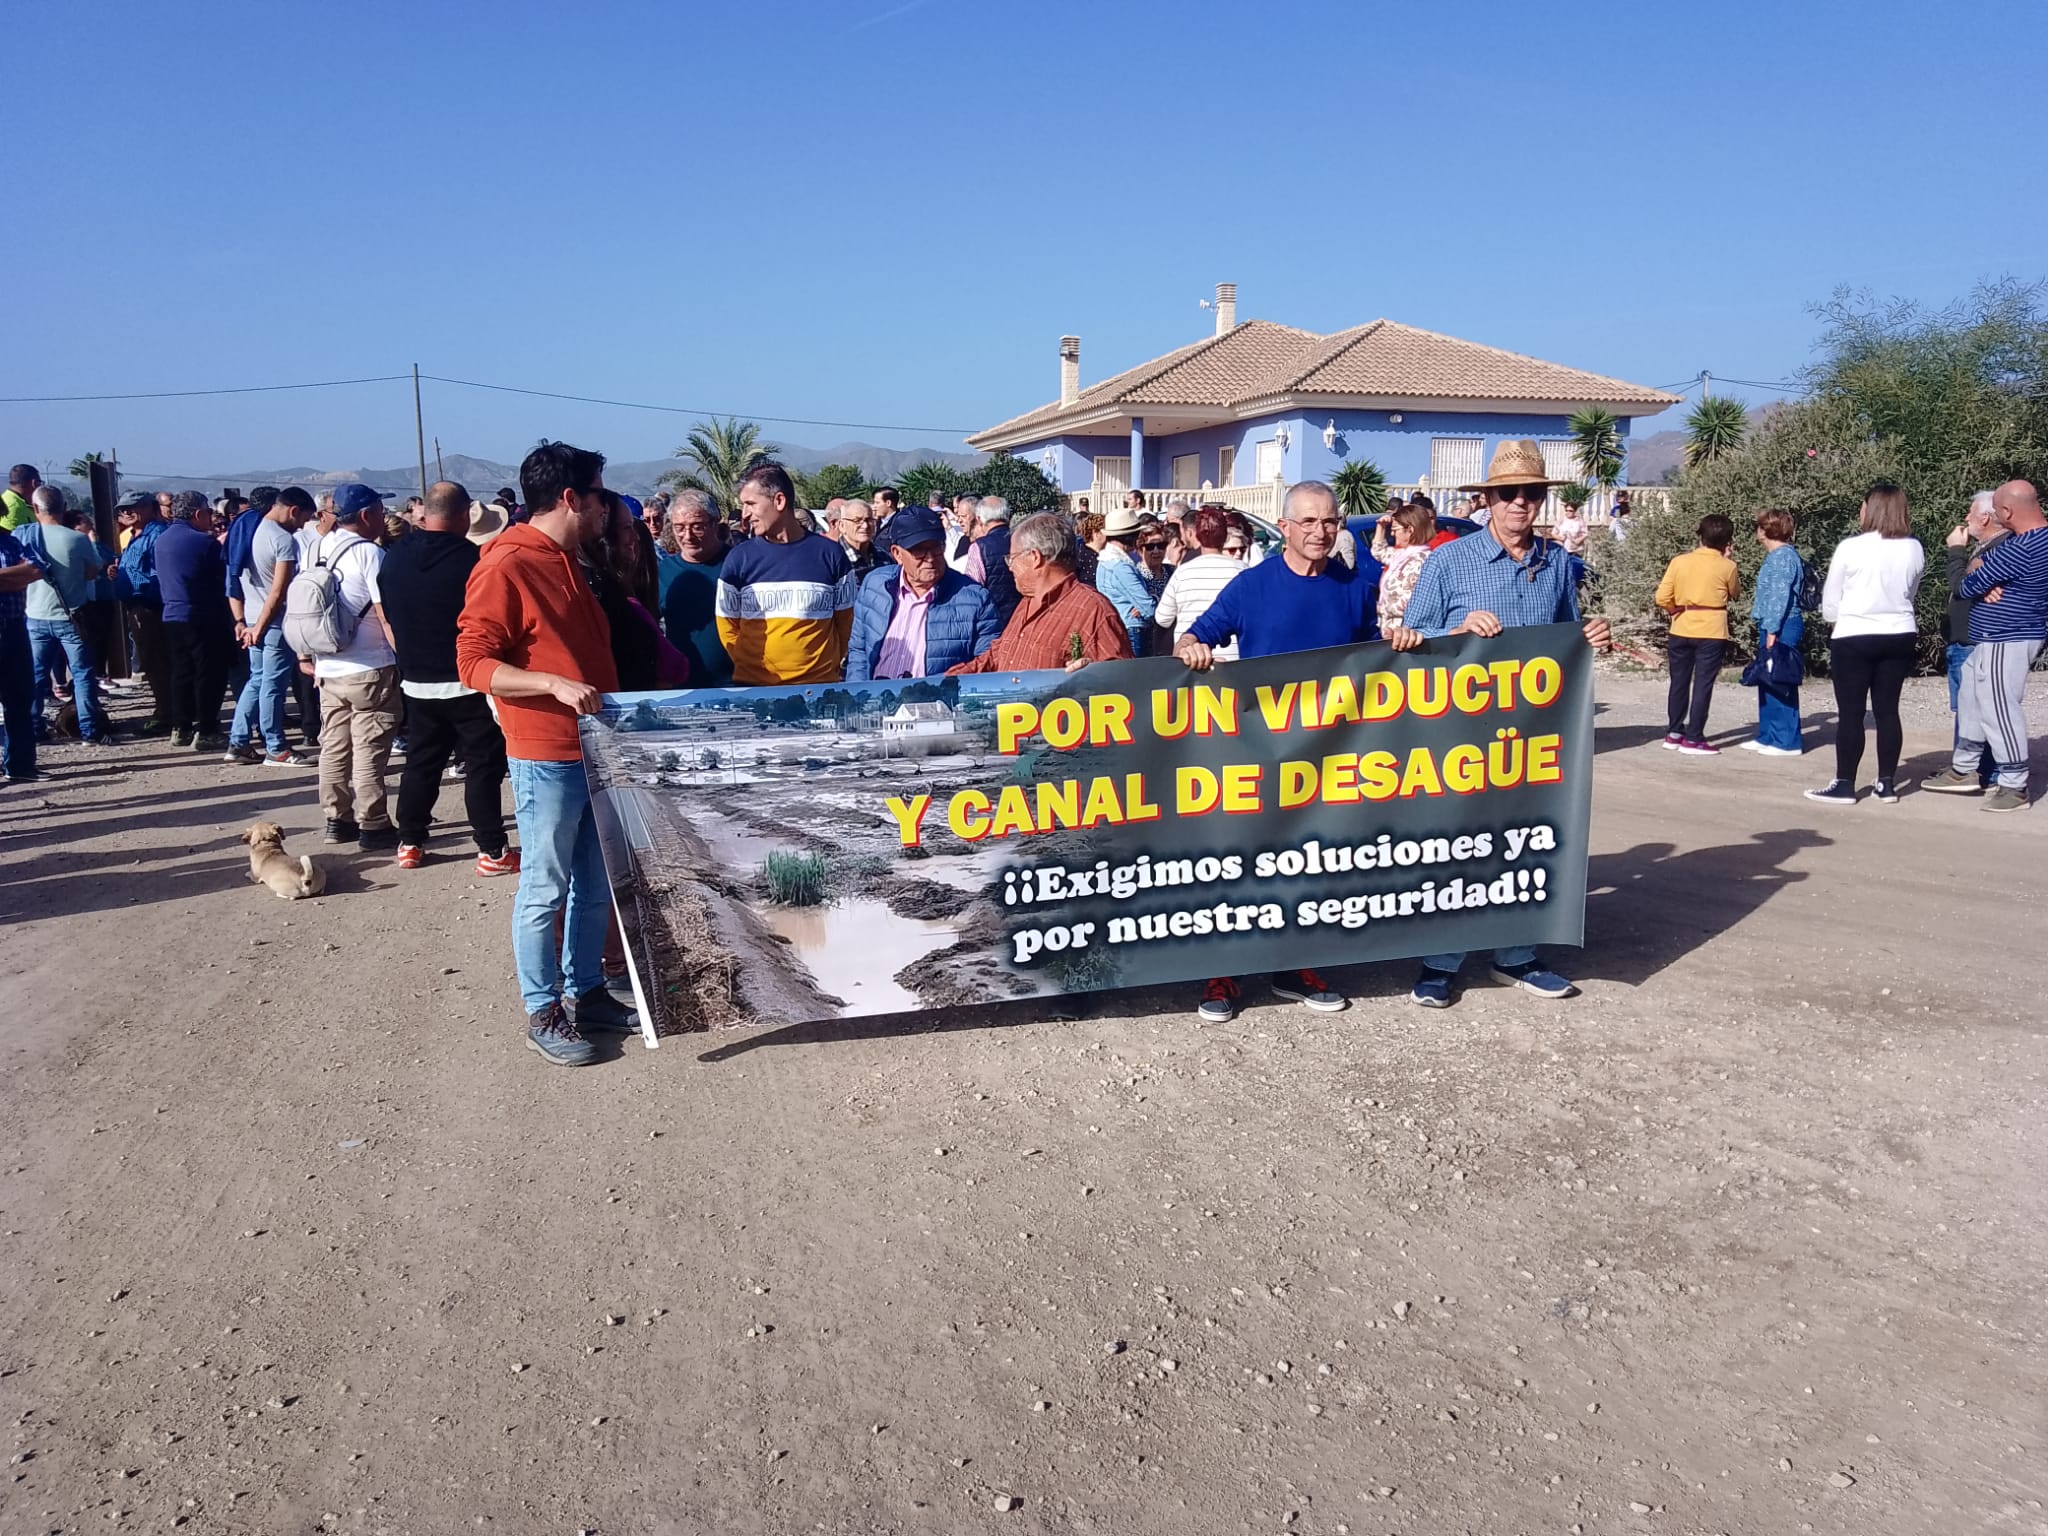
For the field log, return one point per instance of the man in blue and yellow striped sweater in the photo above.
(785, 597)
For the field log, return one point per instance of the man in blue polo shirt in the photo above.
(1303, 601)
(1502, 577)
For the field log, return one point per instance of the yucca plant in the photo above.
(1597, 445)
(1716, 426)
(916, 484)
(720, 453)
(1361, 489)
(1574, 495)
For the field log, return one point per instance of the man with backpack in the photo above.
(334, 613)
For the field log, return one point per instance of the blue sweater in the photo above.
(188, 569)
(961, 625)
(1271, 611)
(2019, 564)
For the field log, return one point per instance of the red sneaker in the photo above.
(1219, 1001)
(508, 864)
(411, 855)
(1308, 989)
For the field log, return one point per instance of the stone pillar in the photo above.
(1137, 452)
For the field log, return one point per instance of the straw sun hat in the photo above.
(1517, 461)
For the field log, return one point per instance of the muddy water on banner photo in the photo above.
(855, 947)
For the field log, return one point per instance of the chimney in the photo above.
(1070, 369)
(1226, 307)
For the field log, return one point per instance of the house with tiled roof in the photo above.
(1256, 407)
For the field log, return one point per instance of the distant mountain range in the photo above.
(483, 476)
(1657, 459)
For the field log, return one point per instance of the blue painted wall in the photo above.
(1401, 452)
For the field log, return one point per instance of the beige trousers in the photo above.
(358, 718)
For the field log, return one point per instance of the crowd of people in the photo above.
(468, 636)
(1995, 626)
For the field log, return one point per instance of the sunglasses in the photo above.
(1529, 493)
(1160, 545)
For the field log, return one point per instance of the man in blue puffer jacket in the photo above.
(921, 618)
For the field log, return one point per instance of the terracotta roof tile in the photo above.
(1257, 361)
(1387, 358)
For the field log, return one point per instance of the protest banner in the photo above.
(786, 854)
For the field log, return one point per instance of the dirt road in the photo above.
(1749, 1238)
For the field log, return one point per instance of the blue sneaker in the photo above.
(1432, 989)
(1534, 977)
(599, 1011)
(552, 1034)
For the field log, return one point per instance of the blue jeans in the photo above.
(17, 702)
(1507, 959)
(561, 873)
(261, 705)
(60, 637)
(1987, 770)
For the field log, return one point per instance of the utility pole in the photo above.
(1706, 385)
(439, 472)
(419, 425)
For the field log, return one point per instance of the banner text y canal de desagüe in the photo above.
(1505, 761)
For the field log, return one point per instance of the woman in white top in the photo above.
(1871, 583)
(1195, 581)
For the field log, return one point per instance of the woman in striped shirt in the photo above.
(1195, 582)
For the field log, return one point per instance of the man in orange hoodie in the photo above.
(533, 637)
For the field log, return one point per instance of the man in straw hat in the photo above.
(1501, 577)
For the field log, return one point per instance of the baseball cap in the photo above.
(134, 501)
(914, 526)
(355, 498)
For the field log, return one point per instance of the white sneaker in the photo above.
(1752, 745)
(1781, 752)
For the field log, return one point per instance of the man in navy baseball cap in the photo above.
(922, 617)
(353, 500)
(359, 682)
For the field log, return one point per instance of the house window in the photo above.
(1266, 460)
(1187, 471)
(1113, 476)
(1455, 461)
(1560, 460)
(1226, 466)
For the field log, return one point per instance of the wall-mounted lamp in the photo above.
(1283, 437)
(1330, 435)
(1049, 461)
(1394, 418)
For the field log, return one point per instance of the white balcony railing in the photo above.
(1264, 501)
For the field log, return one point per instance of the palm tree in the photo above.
(720, 454)
(1361, 489)
(1716, 426)
(1597, 445)
(80, 468)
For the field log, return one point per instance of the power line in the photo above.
(506, 389)
(690, 410)
(1781, 386)
(187, 394)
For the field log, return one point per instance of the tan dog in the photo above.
(288, 878)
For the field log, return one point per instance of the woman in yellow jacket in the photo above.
(1697, 591)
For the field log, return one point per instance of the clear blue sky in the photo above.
(889, 212)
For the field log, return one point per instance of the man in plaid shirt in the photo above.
(1058, 622)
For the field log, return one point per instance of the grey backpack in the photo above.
(316, 620)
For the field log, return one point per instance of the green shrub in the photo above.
(1814, 460)
(795, 879)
